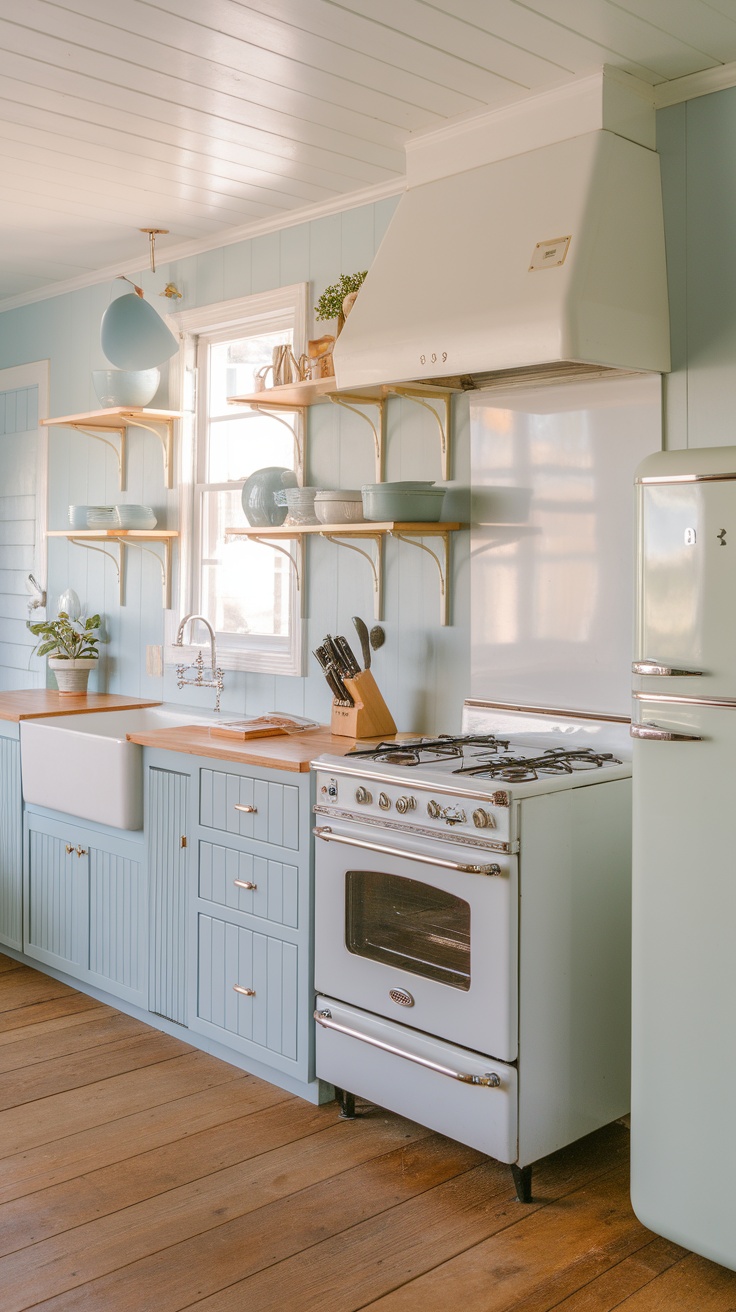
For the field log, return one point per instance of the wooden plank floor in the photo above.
(140, 1175)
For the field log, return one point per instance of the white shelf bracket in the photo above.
(118, 452)
(350, 402)
(164, 563)
(376, 565)
(443, 424)
(296, 430)
(443, 567)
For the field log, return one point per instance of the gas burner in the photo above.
(555, 761)
(425, 751)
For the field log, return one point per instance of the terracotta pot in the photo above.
(72, 676)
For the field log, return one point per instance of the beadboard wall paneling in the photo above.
(422, 670)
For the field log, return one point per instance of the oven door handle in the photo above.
(325, 833)
(489, 1081)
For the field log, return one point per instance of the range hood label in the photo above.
(550, 254)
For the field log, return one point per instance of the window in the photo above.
(246, 590)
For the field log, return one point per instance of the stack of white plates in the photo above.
(102, 517)
(112, 517)
(141, 517)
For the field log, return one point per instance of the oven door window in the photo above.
(408, 924)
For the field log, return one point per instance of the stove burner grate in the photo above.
(554, 761)
(423, 751)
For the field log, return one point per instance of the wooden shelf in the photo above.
(125, 538)
(300, 396)
(376, 533)
(118, 420)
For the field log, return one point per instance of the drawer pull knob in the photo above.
(247, 993)
(244, 883)
(81, 851)
(249, 810)
(69, 849)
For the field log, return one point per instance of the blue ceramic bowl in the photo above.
(259, 496)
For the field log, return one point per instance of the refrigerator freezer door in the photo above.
(683, 1159)
(686, 621)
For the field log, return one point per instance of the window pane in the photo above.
(239, 446)
(233, 366)
(245, 585)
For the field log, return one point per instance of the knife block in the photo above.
(369, 717)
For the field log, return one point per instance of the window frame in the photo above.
(262, 312)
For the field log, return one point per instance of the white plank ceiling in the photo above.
(203, 116)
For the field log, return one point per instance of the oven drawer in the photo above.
(480, 1115)
(250, 807)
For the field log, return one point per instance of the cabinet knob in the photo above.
(249, 810)
(81, 851)
(247, 993)
(244, 883)
(69, 849)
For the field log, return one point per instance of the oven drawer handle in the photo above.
(489, 1081)
(325, 833)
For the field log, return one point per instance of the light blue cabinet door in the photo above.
(57, 903)
(86, 905)
(11, 845)
(117, 917)
(168, 794)
(248, 988)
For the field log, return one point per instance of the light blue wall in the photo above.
(697, 146)
(423, 669)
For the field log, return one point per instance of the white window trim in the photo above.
(190, 324)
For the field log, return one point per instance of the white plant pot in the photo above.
(72, 676)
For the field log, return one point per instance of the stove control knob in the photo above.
(384, 802)
(434, 810)
(482, 820)
(404, 804)
(362, 796)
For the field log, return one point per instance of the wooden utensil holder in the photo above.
(369, 717)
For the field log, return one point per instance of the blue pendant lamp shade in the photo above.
(133, 335)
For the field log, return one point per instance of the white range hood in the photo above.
(549, 261)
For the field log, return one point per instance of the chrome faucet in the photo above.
(199, 681)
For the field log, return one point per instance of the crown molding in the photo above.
(706, 83)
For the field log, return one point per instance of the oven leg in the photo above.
(522, 1182)
(347, 1104)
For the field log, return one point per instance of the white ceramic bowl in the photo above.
(339, 507)
(133, 387)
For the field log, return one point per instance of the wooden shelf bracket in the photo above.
(166, 439)
(118, 451)
(295, 559)
(297, 431)
(164, 561)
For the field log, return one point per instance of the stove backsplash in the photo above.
(552, 472)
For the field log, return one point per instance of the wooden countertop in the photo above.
(286, 752)
(31, 703)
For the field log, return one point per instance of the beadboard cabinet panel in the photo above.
(168, 826)
(232, 958)
(85, 905)
(273, 814)
(274, 891)
(11, 844)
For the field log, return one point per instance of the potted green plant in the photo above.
(71, 646)
(332, 302)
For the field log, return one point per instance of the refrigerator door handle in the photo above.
(654, 667)
(653, 733)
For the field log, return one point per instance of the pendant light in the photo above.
(132, 334)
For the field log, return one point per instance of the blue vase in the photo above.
(259, 496)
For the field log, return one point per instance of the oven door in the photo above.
(419, 931)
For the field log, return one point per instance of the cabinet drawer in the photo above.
(250, 807)
(233, 959)
(273, 892)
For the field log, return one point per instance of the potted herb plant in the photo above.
(71, 646)
(337, 300)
